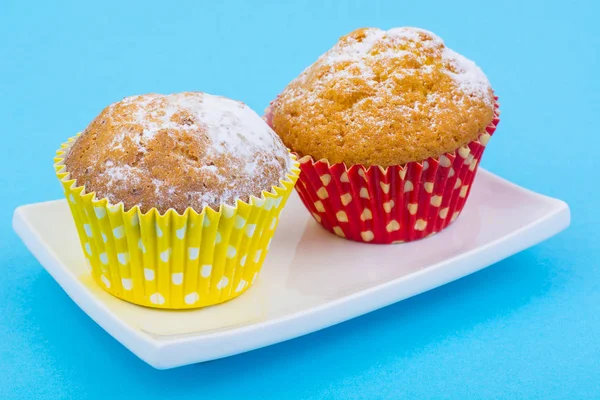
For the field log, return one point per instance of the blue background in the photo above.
(527, 327)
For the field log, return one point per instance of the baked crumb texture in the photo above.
(177, 151)
(384, 98)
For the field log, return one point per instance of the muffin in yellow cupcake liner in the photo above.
(174, 261)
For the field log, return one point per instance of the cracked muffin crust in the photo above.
(384, 98)
(177, 151)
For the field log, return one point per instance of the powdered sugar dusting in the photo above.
(374, 46)
(468, 76)
(230, 125)
(179, 150)
(384, 98)
(354, 50)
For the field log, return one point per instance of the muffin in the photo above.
(389, 127)
(176, 197)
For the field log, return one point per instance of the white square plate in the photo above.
(311, 279)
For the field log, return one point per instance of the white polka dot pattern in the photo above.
(444, 212)
(463, 191)
(338, 231)
(484, 139)
(223, 283)
(180, 233)
(177, 278)
(269, 204)
(119, 232)
(240, 222)
(148, 274)
(205, 271)
(157, 299)
(193, 253)
(455, 215)
(464, 151)
(241, 286)
(141, 246)
(420, 225)
(191, 298)
(231, 251)
(473, 164)
(388, 205)
(322, 193)
(346, 199)
(104, 258)
(412, 208)
(251, 228)
(165, 255)
(100, 212)
(278, 202)
(341, 216)
(445, 162)
(257, 256)
(105, 280)
(319, 206)
(126, 283)
(123, 258)
(367, 236)
(436, 201)
(366, 215)
(392, 226)
(227, 211)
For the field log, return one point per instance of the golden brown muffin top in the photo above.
(177, 151)
(384, 98)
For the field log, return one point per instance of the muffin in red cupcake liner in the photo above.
(396, 204)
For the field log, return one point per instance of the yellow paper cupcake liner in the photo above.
(174, 261)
